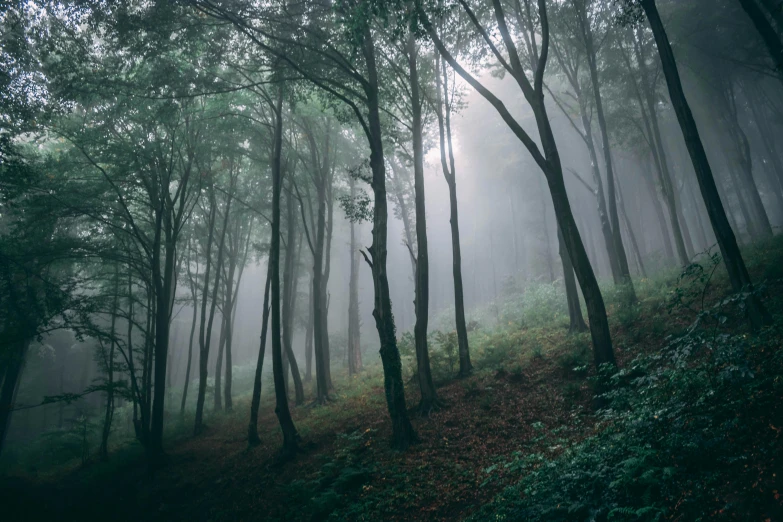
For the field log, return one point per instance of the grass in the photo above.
(689, 433)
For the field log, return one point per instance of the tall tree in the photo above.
(732, 258)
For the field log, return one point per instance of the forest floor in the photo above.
(529, 396)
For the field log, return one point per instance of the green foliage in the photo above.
(688, 433)
(340, 478)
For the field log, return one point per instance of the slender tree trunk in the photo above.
(659, 153)
(738, 273)
(205, 332)
(217, 403)
(429, 399)
(761, 220)
(403, 434)
(767, 32)
(450, 173)
(290, 436)
(327, 256)
(289, 295)
(109, 414)
(14, 364)
(596, 309)
(576, 322)
(354, 342)
(309, 337)
(614, 219)
(252, 430)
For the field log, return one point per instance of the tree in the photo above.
(443, 109)
(735, 265)
(548, 161)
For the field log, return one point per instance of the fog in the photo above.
(507, 219)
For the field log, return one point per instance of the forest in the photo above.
(361, 260)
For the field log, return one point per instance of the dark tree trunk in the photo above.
(227, 391)
(252, 430)
(193, 282)
(767, 32)
(443, 109)
(109, 413)
(205, 338)
(576, 322)
(659, 152)
(217, 396)
(622, 259)
(309, 337)
(290, 436)
(10, 378)
(738, 273)
(354, 341)
(403, 434)
(289, 291)
(429, 398)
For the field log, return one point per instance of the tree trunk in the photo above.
(309, 337)
(403, 434)
(603, 214)
(252, 430)
(614, 219)
(290, 436)
(14, 364)
(217, 396)
(289, 295)
(767, 32)
(760, 218)
(429, 399)
(328, 177)
(576, 322)
(354, 342)
(738, 273)
(659, 153)
(443, 109)
(109, 414)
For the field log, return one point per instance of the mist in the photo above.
(384, 227)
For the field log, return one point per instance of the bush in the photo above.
(689, 433)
